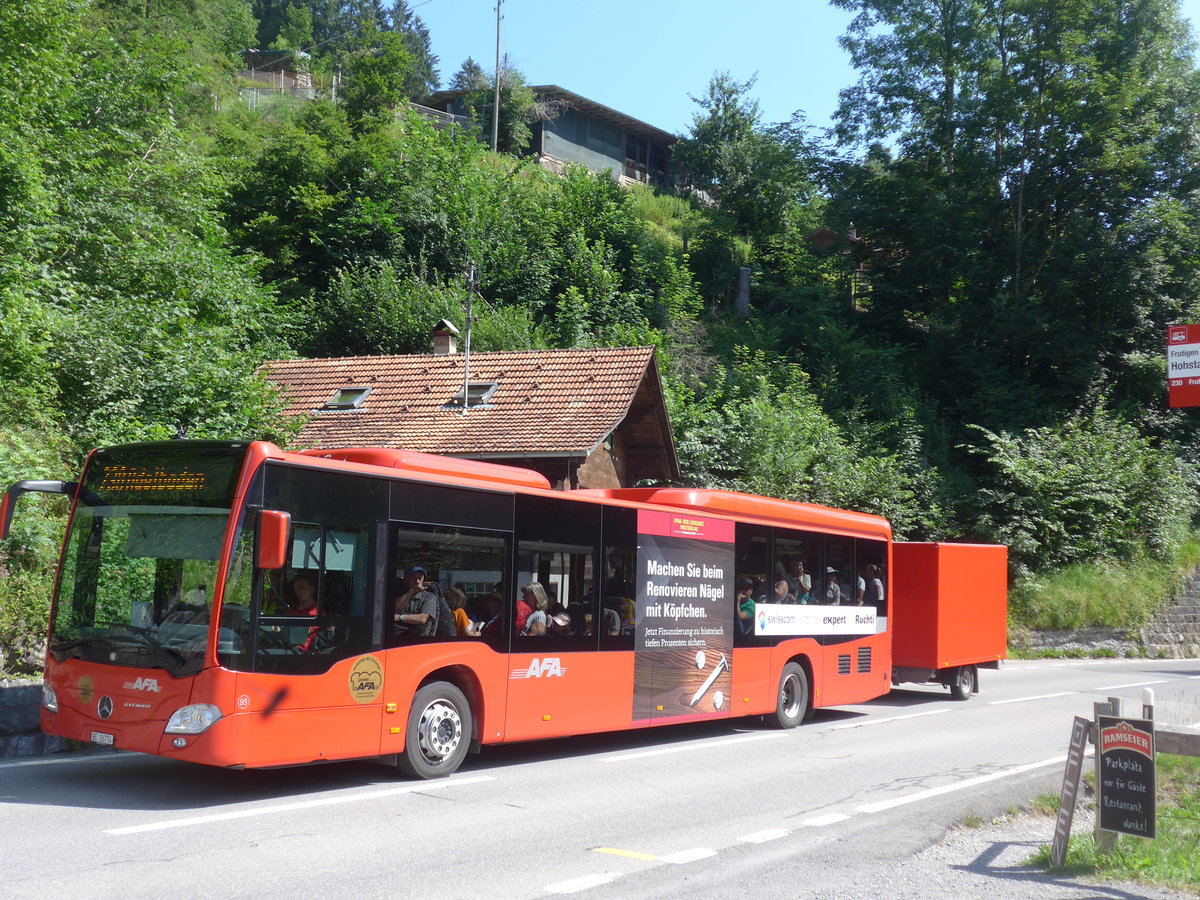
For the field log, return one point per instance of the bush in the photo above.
(1087, 489)
(759, 429)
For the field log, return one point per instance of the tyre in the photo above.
(963, 684)
(791, 703)
(438, 733)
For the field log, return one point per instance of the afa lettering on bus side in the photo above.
(550, 667)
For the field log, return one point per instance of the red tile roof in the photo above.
(547, 402)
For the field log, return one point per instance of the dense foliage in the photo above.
(958, 300)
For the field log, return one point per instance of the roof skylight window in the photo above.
(347, 398)
(476, 393)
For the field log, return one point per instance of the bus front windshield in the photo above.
(142, 552)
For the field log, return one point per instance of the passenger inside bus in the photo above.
(782, 593)
(417, 607)
(533, 597)
(456, 599)
(800, 582)
(833, 590)
(744, 601)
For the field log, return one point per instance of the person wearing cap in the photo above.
(833, 590)
(416, 608)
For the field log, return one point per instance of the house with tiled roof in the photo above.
(583, 418)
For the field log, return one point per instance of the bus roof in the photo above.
(751, 506)
(769, 510)
(433, 464)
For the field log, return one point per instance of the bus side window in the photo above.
(469, 560)
(618, 598)
(752, 549)
(871, 557)
(556, 548)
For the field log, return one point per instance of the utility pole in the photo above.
(496, 98)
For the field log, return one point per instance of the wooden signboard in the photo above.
(1070, 791)
(1125, 785)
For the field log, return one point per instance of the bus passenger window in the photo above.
(463, 564)
(618, 615)
(872, 560)
(556, 571)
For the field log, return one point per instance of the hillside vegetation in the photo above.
(1010, 190)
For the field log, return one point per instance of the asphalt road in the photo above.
(709, 810)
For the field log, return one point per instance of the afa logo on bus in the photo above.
(550, 667)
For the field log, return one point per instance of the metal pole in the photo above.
(496, 98)
(467, 340)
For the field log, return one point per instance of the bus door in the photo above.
(300, 639)
(558, 681)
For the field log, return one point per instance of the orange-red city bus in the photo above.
(174, 628)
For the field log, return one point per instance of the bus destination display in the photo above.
(163, 477)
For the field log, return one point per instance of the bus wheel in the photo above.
(963, 684)
(439, 731)
(792, 702)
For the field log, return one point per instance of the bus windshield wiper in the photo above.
(154, 643)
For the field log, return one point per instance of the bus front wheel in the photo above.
(792, 701)
(439, 731)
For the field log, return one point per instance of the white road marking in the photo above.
(1116, 687)
(707, 745)
(579, 884)
(687, 856)
(302, 804)
(930, 712)
(761, 837)
(822, 821)
(1027, 699)
(958, 786)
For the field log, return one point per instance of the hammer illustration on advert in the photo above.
(721, 666)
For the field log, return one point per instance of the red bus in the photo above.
(175, 628)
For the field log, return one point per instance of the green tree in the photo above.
(422, 77)
(375, 82)
(755, 173)
(1031, 141)
(519, 108)
(469, 77)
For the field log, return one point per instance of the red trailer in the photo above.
(949, 613)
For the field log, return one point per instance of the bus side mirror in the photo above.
(24, 487)
(270, 552)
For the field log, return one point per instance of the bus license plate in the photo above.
(99, 737)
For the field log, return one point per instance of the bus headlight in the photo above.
(49, 698)
(194, 719)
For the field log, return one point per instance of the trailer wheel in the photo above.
(792, 701)
(438, 733)
(964, 683)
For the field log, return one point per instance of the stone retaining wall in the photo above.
(20, 719)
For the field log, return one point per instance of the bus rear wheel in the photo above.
(439, 731)
(963, 684)
(791, 704)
